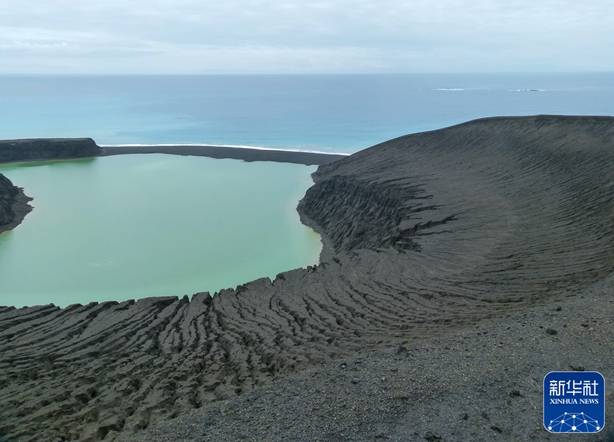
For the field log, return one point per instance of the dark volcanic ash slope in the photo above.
(425, 235)
(13, 204)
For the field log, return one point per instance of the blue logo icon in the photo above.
(574, 402)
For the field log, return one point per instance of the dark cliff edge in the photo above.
(13, 205)
(36, 149)
(428, 238)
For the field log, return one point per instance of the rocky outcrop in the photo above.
(8, 193)
(47, 149)
(13, 204)
(424, 235)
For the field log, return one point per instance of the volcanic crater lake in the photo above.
(131, 226)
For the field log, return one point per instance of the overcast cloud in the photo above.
(273, 36)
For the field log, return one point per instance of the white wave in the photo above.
(233, 146)
(528, 90)
(450, 89)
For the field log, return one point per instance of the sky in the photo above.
(319, 36)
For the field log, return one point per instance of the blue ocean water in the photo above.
(324, 112)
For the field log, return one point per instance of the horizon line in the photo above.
(246, 74)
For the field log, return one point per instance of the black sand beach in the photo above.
(460, 266)
(224, 152)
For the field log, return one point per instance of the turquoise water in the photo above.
(327, 112)
(124, 227)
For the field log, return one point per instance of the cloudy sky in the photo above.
(319, 36)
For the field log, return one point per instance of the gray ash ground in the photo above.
(481, 383)
(460, 266)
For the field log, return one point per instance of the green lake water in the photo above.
(131, 226)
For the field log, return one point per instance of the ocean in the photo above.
(342, 113)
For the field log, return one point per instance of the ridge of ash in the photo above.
(424, 235)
